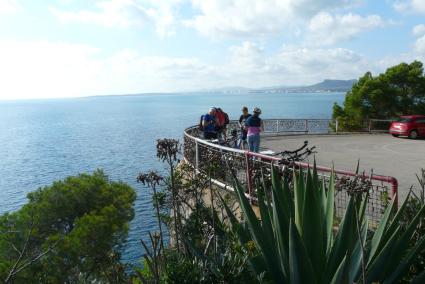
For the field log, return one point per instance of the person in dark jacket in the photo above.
(244, 131)
(209, 124)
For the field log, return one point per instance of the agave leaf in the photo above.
(230, 215)
(376, 268)
(363, 205)
(281, 223)
(281, 202)
(329, 215)
(289, 197)
(315, 175)
(322, 190)
(377, 239)
(299, 188)
(267, 197)
(420, 279)
(301, 270)
(263, 241)
(344, 242)
(265, 217)
(281, 189)
(257, 265)
(241, 231)
(312, 225)
(406, 262)
(356, 257)
(340, 275)
(402, 243)
(281, 239)
(395, 222)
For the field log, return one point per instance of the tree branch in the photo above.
(12, 271)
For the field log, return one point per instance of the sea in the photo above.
(46, 140)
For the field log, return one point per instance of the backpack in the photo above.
(222, 117)
(226, 118)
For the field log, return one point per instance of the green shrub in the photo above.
(68, 231)
(298, 244)
(414, 203)
(398, 91)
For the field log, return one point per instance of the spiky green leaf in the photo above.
(301, 270)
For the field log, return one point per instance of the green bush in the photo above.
(74, 226)
(398, 91)
(415, 201)
(298, 244)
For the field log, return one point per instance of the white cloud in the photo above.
(420, 46)
(410, 6)
(235, 18)
(53, 69)
(41, 69)
(248, 55)
(125, 14)
(418, 30)
(326, 29)
(248, 65)
(121, 13)
(316, 64)
(8, 6)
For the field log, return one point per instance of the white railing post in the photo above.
(336, 126)
(277, 126)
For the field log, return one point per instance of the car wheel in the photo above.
(413, 134)
(396, 135)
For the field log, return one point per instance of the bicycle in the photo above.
(298, 155)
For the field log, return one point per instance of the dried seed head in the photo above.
(151, 178)
(167, 149)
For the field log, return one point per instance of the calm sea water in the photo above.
(46, 140)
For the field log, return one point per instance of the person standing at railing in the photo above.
(209, 124)
(242, 139)
(254, 126)
(221, 121)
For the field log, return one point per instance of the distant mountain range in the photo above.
(332, 85)
(322, 87)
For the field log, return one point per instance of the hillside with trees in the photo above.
(398, 91)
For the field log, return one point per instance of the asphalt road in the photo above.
(401, 158)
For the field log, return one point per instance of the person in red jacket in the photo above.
(222, 120)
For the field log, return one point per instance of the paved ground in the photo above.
(398, 157)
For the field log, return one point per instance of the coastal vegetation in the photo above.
(69, 232)
(295, 237)
(398, 91)
(298, 243)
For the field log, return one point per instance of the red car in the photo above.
(412, 126)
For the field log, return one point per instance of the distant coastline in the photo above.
(326, 86)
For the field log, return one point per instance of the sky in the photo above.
(73, 48)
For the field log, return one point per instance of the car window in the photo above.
(404, 119)
(420, 120)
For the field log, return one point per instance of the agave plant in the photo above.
(298, 243)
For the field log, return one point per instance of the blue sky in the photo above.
(70, 48)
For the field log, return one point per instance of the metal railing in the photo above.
(294, 126)
(220, 163)
(379, 125)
